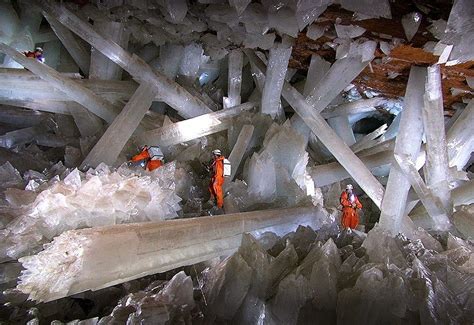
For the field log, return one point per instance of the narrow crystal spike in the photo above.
(343, 129)
(459, 138)
(108, 148)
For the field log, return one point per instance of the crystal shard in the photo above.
(369, 8)
(240, 148)
(408, 142)
(101, 67)
(117, 134)
(235, 79)
(410, 23)
(274, 78)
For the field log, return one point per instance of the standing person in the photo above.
(350, 203)
(150, 157)
(37, 54)
(217, 178)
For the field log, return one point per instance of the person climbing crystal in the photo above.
(36, 54)
(350, 203)
(149, 158)
(217, 178)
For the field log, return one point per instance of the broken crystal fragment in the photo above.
(315, 31)
(368, 7)
(349, 31)
(410, 23)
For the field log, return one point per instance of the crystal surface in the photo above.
(102, 67)
(109, 146)
(274, 78)
(407, 143)
(411, 22)
(82, 95)
(235, 79)
(367, 7)
(240, 148)
(150, 248)
(349, 31)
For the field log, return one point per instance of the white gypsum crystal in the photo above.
(172, 93)
(329, 138)
(408, 143)
(108, 148)
(193, 128)
(349, 31)
(75, 49)
(274, 78)
(240, 148)
(410, 23)
(436, 168)
(102, 67)
(68, 263)
(75, 91)
(235, 79)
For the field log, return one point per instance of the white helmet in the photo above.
(349, 187)
(216, 152)
(39, 49)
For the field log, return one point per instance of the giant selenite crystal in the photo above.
(235, 79)
(274, 78)
(97, 198)
(328, 137)
(82, 95)
(407, 143)
(114, 139)
(437, 169)
(173, 94)
(74, 261)
(193, 128)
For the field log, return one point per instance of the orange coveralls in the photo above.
(217, 181)
(350, 218)
(150, 164)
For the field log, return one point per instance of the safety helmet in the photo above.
(349, 187)
(39, 49)
(216, 152)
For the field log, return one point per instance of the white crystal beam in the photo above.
(108, 148)
(432, 203)
(436, 168)
(95, 258)
(333, 172)
(329, 138)
(341, 73)
(193, 128)
(78, 93)
(408, 143)
(173, 94)
(460, 140)
(102, 67)
(240, 147)
(367, 141)
(274, 78)
(355, 107)
(236, 61)
(79, 54)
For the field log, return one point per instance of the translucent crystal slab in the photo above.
(81, 260)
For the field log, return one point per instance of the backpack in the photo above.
(227, 168)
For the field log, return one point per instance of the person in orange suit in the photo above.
(150, 157)
(37, 54)
(350, 203)
(217, 178)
